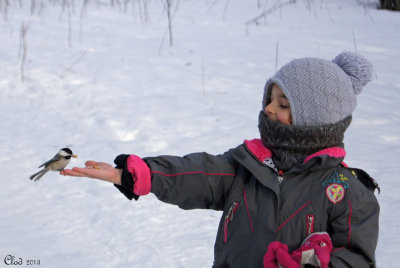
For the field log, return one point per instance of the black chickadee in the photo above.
(57, 163)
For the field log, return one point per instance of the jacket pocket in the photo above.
(229, 218)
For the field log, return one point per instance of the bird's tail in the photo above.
(38, 175)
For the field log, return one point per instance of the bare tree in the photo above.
(143, 11)
(354, 40)
(276, 56)
(4, 6)
(264, 14)
(22, 44)
(170, 15)
(390, 4)
(69, 14)
(225, 9)
(70, 68)
(168, 6)
(83, 10)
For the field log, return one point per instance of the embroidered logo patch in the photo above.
(335, 192)
(337, 179)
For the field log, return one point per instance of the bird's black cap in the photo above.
(67, 150)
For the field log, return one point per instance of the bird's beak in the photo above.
(74, 156)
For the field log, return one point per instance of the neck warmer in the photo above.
(290, 145)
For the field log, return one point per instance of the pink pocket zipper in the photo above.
(229, 218)
(310, 224)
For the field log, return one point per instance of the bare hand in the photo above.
(96, 170)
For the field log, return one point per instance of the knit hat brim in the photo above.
(267, 95)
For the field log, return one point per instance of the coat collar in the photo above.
(260, 152)
(252, 154)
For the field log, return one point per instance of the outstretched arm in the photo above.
(96, 170)
(198, 180)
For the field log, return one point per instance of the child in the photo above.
(288, 200)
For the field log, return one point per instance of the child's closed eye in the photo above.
(284, 106)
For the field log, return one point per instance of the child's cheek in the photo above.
(284, 118)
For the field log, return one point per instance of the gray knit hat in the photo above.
(319, 91)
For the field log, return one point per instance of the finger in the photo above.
(90, 163)
(69, 172)
(89, 172)
(85, 170)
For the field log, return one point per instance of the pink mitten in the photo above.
(277, 256)
(315, 250)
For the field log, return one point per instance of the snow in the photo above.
(104, 82)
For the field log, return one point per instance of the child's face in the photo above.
(278, 109)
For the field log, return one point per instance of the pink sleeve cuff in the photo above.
(140, 174)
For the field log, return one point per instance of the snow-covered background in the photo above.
(104, 80)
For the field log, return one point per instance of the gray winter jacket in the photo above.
(260, 205)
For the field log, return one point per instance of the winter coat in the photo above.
(261, 205)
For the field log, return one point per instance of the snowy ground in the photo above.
(104, 82)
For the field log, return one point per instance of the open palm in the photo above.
(96, 170)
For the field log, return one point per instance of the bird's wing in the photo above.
(55, 158)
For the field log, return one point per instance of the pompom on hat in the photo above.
(319, 91)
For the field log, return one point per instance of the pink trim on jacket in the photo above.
(294, 214)
(258, 149)
(140, 174)
(336, 152)
(336, 249)
(192, 172)
(348, 238)
(248, 212)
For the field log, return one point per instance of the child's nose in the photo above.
(269, 109)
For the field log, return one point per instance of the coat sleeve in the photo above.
(354, 228)
(197, 180)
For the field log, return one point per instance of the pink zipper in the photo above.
(229, 218)
(310, 224)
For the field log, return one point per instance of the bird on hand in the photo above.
(57, 163)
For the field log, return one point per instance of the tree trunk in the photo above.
(390, 4)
